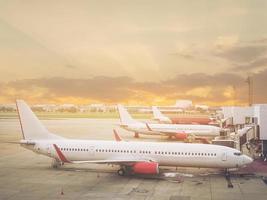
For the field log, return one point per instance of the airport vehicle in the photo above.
(158, 116)
(132, 157)
(178, 131)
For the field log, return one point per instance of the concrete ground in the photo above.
(26, 175)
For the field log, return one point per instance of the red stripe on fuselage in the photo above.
(60, 154)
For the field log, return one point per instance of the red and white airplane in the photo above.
(132, 157)
(158, 116)
(178, 131)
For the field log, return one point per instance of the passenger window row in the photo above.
(115, 151)
(73, 149)
(186, 153)
(156, 152)
(141, 152)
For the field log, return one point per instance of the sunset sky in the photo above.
(133, 52)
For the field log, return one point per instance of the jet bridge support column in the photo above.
(264, 149)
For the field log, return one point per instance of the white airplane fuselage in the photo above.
(159, 129)
(165, 154)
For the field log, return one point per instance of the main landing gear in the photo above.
(125, 170)
(121, 172)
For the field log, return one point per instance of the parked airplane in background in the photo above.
(179, 131)
(181, 119)
(158, 116)
(180, 106)
(132, 157)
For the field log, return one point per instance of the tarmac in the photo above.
(26, 175)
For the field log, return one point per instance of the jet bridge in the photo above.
(255, 117)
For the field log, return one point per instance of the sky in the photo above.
(149, 52)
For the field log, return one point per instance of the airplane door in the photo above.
(47, 149)
(224, 156)
(92, 150)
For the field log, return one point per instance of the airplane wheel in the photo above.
(121, 172)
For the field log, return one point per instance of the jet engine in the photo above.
(181, 136)
(145, 168)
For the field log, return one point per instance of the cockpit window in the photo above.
(237, 153)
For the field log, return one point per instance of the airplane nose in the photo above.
(247, 159)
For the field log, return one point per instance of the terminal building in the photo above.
(255, 119)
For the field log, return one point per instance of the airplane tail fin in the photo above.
(31, 127)
(125, 117)
(159, 116)
(156, 113)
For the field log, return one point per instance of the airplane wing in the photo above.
(116, 161)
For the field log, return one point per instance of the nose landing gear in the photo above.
(56, 164)
(228, 178)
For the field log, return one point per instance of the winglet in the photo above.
(60, 154)
(116, 135)
(148, 127)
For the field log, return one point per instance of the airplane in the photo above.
(180, 106)
(178, 131)
(132, 157)
(158, 116)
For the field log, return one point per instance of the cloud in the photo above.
(259, 86)
(260, 40)
(248, 56)
(69, 66)
(256, 64)
(214, 89)
(224, 42)
(98, 88)
(186, 55)
(243, 53)
(201, 80)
